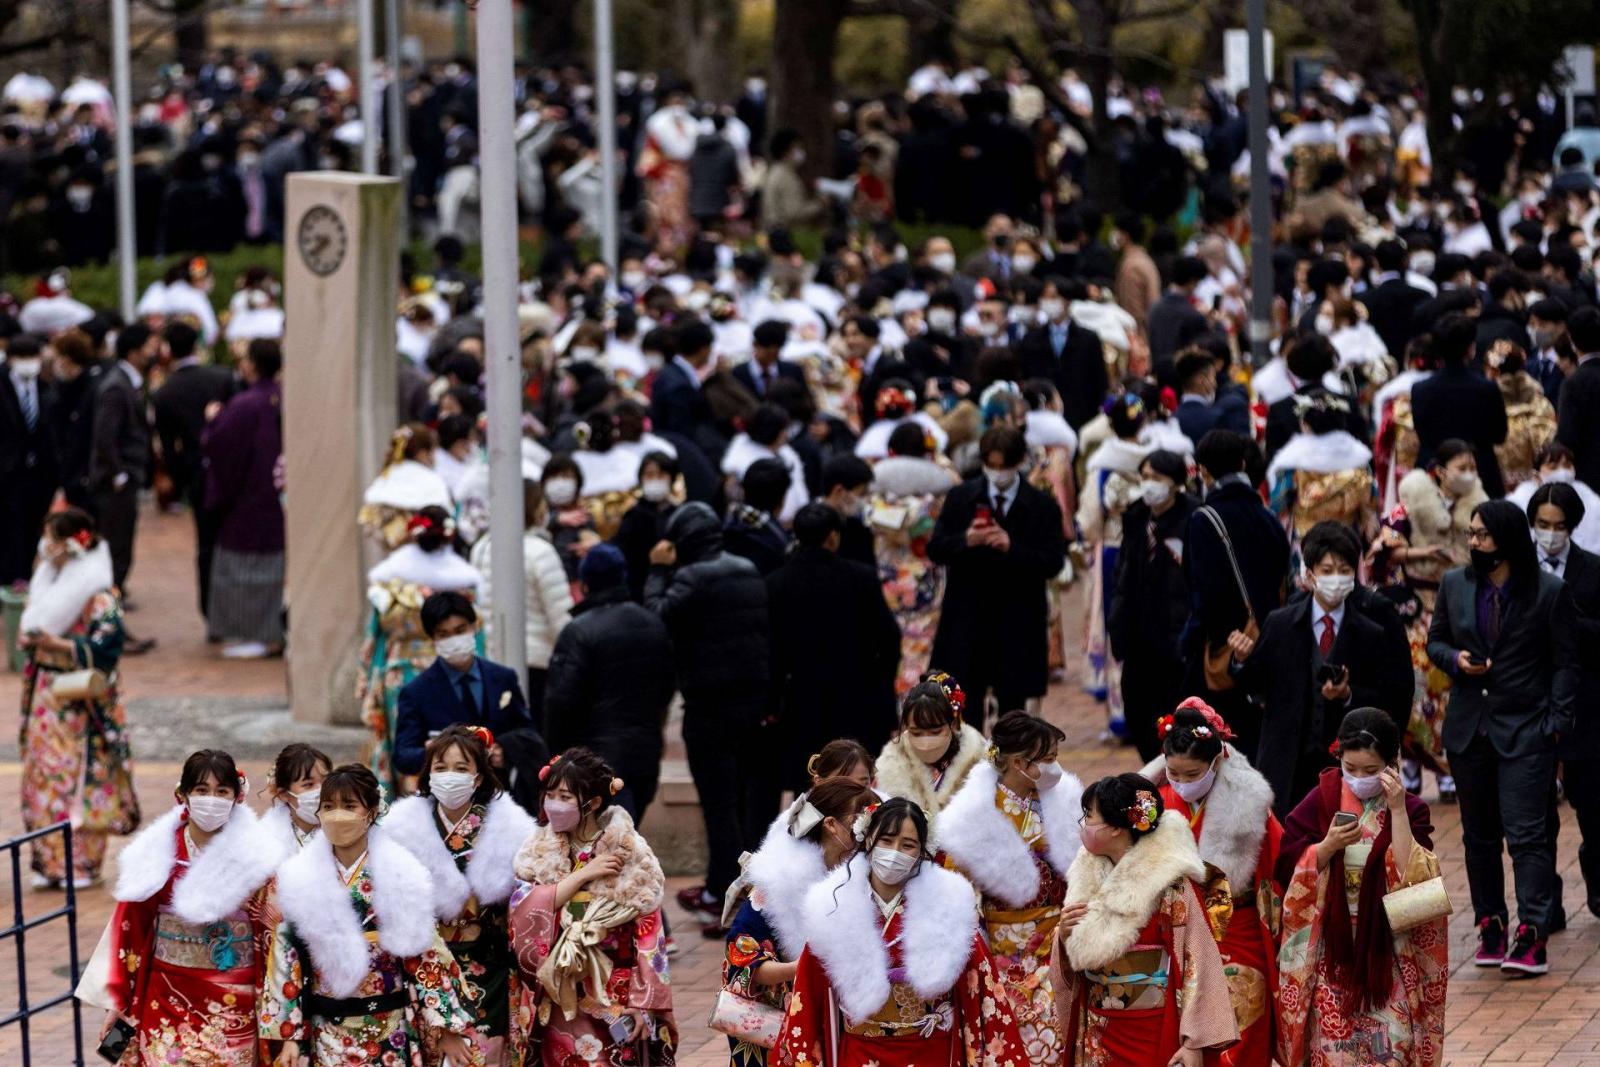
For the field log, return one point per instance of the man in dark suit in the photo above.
(677, 404)
(1458, 401)
(999, 540)
(846, 487)
(1174, 321)
(878, 366)
(1578, 422)
(764, 368)
(29, 472)
(1504, 630)
(835, 646)
(119, 450)
(463, 687)
(181, 406)
(1318, 657)
(1067, 354)
(1392, 300)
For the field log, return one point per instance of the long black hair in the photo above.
(1508, 526)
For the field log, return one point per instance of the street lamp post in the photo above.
(121, 87)
(606, 92)
(1261, 290)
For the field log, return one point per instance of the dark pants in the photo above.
(116, 512)
(1151, 688)
(1581, 779)
(982, 674)
(536, 681)
(724, 765)
(24, 506)
(206, 523)
(1507, 799)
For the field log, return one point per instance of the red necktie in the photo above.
(1325, 640)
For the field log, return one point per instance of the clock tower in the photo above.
(339, 408)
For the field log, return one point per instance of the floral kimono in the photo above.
(1530, 425)
(469, 864)
(908, 493)
(1323, 477)
(1238, 838)
(1113, 485)
(1017, 852)
(594, 966)
(357, 972)
(1140, 975)
(896, 983)
(1338, 951)
(75, 761)
(396, 650)
(188, 937)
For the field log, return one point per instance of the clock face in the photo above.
(322, 239)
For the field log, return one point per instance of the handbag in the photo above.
(1218, 657)
(1417, 904)
(75, 687)
(746, 1020)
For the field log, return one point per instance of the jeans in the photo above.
(1507, 799)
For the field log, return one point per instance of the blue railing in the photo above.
(20, 925)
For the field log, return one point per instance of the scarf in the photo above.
(57, 597)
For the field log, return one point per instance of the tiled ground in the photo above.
(1554, 1020)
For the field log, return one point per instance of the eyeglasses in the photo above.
(1477, 533)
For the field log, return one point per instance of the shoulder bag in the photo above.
(1218, 657)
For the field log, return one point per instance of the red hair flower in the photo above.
(1164, 725)
(419, 522)
(1213, 720)
(952, 690)
(1333, 749)
(544, 772)
(482, 734)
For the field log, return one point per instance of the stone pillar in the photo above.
(340, 263)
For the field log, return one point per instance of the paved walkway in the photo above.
(1491, 1020)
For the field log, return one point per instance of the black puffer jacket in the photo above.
(715, 606)
(610, 681)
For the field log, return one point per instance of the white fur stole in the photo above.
(780, 872)
(489, 876)
(236, 862)
(1236, 817)
(56, 598)
(1123, 896)
(986, 845)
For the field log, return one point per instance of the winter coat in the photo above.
(546, 592)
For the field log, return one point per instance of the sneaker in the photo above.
(1411, 776)
(246, 650)
(672, 946)
(1491, 943)
(84, 882)
(700, 904)
(1527, 954)
(1447, 789)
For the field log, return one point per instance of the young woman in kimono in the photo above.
(765, 936)
(407, 484)
(895, 971)
(1137, 976)
(1351, 991)
(586, 927)
(465, 830)
(1228, 805)
(1013, 831)
(188, 932)
(296, 788)
(843, 758)
(935, 750)
(358, 973)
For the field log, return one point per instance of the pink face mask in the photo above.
(562, 815)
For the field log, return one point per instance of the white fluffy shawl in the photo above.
(844, 930)
(902, 476)
(1236, 817)
(1327, 453)
(316, 903)
(56, 598)
(489, 876)
(236, 862)
(986, 845)
(544, 860)
(1122, 897)
(409, 486)
(1046, 429)
(1121, 456)
(780, 872)
(280, 824)
(902, 774)
(437, 570)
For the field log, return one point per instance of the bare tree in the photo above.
(705, 30)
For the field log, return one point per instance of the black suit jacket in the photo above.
(1582, 577)
(745, 375)
(677, 405)
(431, 701)
(120, 443)
(180, 406)
(1529, 694)
(995, 602)
(1262, 549)
(1460, 402)
(26, 453)
(1578, 420)
(1389, 309)
(1079, 372)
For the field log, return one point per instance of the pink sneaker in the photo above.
(1491, 943)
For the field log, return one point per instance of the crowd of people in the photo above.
(849, 516)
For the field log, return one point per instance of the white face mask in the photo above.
(306, 805)
(1023, 264)
(583, 353)
(1560, 474)
(209, 813)
(942, 320)
(1195, 790)
(457, 649)
(1324, 324)
(26, 369)
(452, 789)
(655, 490)
(1462, 482)
(1001, 480)
(697, 300)
(1049, 775)
(943, 262)
(1053, 308)
(1551, 542)
(634, 280)
(1363, 788)
(1333, 588)
(561, 491)
(893, 866)
(1154, 492)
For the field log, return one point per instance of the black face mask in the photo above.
(1485, 562)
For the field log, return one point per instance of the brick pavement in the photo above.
(1554, 1020)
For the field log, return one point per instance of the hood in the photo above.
(695, 531)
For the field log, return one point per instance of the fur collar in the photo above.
(1396, 387)
(986, 846)
(317, 904)
(902, 774)
(56, 598)
(902, 476)
(874, 441)
(1326, 453)
(1046, 429)
(1119, 455)
(1122, 897)
(844, 931)
(1425, 506)
(234, 864)
(280, 824)
(412, 823)
(440, 569)
(1236, 816)
(779, 873)
(409, 486)
(1164, 433)
(611, 471)
(544, 860)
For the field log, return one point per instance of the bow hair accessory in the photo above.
(804, 819)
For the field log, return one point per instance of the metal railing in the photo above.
(19, 928)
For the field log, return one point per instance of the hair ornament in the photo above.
(1164, 725)
(1333, 748)
(1143, 812)
(893, 402)
(397, 444)
(615, 786)
(993, 754)
(952, 690)
(1213, 720)
(544, 772)
(803, 818)
(483, 734)
(858, 829)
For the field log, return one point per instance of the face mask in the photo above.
(1053, 308)
(583, 354)
(798, 156)
(561, 491)
(1363, 788)
(943, 262)
(1543, 338)
(655, 490)
(1462, 483)
(634, 280)
(209, 813)
(1154, 493)
(1200, 787)
(942, 320)
(1464, 188)
(1049, 776)
(988, 329)
(562, 815)
(1333, 588)
(698, 300)
(452, 789)
(80, 196)
(654, 361)
(343, 828)
(1001, 480)
(1485, 562)
(306, 804)
(1024, 264)
(1551, 542)
(1324, 323)
(457, 649)
(248, 160)
(1565, 475)
(1422, 262)
(929, 749)
(26, 368)
(893, 866)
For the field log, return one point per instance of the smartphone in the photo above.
(116, 1041)
(984, 515)
(1330, 674)
(1475, 660)
(1343, 818)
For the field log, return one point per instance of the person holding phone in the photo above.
(1355, 837)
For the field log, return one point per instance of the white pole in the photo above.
(1261, 291)
(502, 351)
(606, 83)
(122, 88)
(366, 83)
(397, 112)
